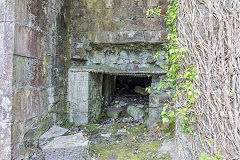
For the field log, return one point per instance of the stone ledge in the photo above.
(114, 71)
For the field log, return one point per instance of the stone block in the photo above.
(152, 36)
(121, 4)
(5, 108)
(74, 147)
(157, 24)
(139, 3)
(6, 68)
(22, 11)
(7, 37)
(158, 98)
(79, 118)
(28, 103)
(5, 140)
(28, 42)
(140, 24)
(7, 11)
(134, 13)
(127, 36)
(54, 131)
(154, 116)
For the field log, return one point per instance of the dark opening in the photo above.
(132, 89)
(122, 91)
(127, 84)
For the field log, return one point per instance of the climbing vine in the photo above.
(210, 29)
(179, 76)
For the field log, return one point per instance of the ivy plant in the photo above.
(179, 77)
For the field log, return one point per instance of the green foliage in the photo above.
(204, 156)
(7, 1)
(181, 81)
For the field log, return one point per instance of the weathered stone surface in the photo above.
(140, 90)
(67, 147)
(169, 149)
(113, 112)
(135, 112)
(158, 98)
(115, 22)
(54, 131)
(127, 120)
(84, 95)
(154, 116)
(39, 78)
(6, 75)
(5, 141)
(34, 61)
(78, 95)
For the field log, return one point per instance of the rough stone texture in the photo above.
(54, 131)
(109, 83)
(6, 68)
(113, 112)
(33, 71)
(114, 37)
(136, 113)
(78, 95)
(124, 58)
(84, 95)
(114, 21)
(169, 148)
(157, 99)
(74, 147)
(108, 36)
(140, 90)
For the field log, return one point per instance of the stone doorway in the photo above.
(122, 91)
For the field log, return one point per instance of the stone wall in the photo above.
(114, 37)
(114, 21)
(6, 66)
(107, 36)
(157, 99)
(34, 61)
(84, 95)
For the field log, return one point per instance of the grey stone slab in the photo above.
(5, 141)
(73, 147)
(54, 131)
(154, 117)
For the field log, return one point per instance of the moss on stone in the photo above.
(133, 146)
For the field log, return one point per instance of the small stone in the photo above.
(136, 113)
(140, 106)
(106, 135)
(113, 112)
(122, 103)
(127, 120)
(121, 131)
(118, 106)
(140, 90)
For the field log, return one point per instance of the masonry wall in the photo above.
(40, 65)
(114, 22)
(6, 67)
